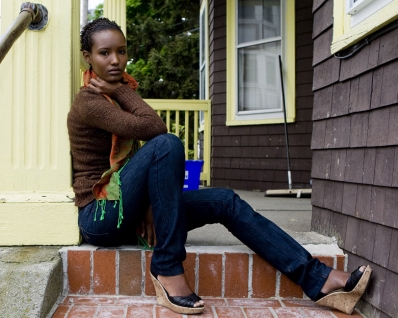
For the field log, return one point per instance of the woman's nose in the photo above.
(115, 59)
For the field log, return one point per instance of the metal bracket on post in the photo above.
(32, 16)
(39, 15)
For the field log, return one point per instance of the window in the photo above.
(356, 19)
(258, 32)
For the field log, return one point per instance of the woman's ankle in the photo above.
(336, 280)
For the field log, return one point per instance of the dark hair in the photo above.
(98, 25)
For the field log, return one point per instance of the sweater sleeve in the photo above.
(133, 119)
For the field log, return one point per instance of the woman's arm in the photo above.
(135, 119)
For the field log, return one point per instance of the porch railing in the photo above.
(182, 119)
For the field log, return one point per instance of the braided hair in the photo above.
(98, 25)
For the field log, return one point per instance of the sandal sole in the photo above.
(162, 299)
(346, 301)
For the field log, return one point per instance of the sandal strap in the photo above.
(353, 279)
(185, 301)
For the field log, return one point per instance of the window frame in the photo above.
(349, 29)
(289, 70)
(205, 65)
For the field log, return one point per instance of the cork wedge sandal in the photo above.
(179, 304)
(345, 301)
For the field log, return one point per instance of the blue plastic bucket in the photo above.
(192, 174)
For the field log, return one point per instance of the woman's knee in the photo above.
(171, 140)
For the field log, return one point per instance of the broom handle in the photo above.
(289, 175)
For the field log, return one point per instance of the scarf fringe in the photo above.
(102, 202)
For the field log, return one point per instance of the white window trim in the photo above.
(349, 29)
(362, 9)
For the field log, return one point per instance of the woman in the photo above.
(118, 186)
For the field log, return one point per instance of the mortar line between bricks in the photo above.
(117, 272)
(64, 259)
(143, 269)
(244, 313)
(91, 272)
(335, 262)
(223, 257)
(196, 271)
(68, 311)
(125, 311)
(250, 277)
(154, 311)
(213, 309)
(301, 311)
(277, 283)
(97, 311)
(272, 311)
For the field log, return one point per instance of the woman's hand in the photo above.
(147, 228)
(100, 86)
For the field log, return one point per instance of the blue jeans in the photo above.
(155, 176)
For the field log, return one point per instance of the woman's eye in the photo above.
(122, 52)
(104, 53)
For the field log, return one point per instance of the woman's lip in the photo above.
(115, 72)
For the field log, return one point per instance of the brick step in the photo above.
(211, 271)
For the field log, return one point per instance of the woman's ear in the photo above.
(87, 57)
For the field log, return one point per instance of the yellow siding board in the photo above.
(38, 224)
(36, 91)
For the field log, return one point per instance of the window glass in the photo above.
(259, 79)
(258, 20)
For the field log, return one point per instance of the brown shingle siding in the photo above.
(323, 18)
(359, 129)
(354, 165)
(390, 215)
(318, 135)
(388, 49)
(317, 3)
(322, 46)
(362, 207)
(361, 92)
(369, 166)
(349, 199)
(337, 164)
(323, 100)
(384, 166)
(382, 247)
(337, 132)
(326, 73)
(341, 97)
(378, 120)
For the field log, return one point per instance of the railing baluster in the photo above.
(195, 135)
(186, 144)
(177, 124)
(168, 120)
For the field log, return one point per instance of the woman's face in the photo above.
(108, 56)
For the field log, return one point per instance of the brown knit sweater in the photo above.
(91, 122)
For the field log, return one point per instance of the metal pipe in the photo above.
(31, 13)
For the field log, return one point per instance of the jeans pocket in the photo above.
(101, 239)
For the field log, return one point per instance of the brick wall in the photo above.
(254, 157)
(355, 156)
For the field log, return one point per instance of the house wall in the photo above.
(355, 156)
(254, 157)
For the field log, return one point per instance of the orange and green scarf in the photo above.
(109, 186)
